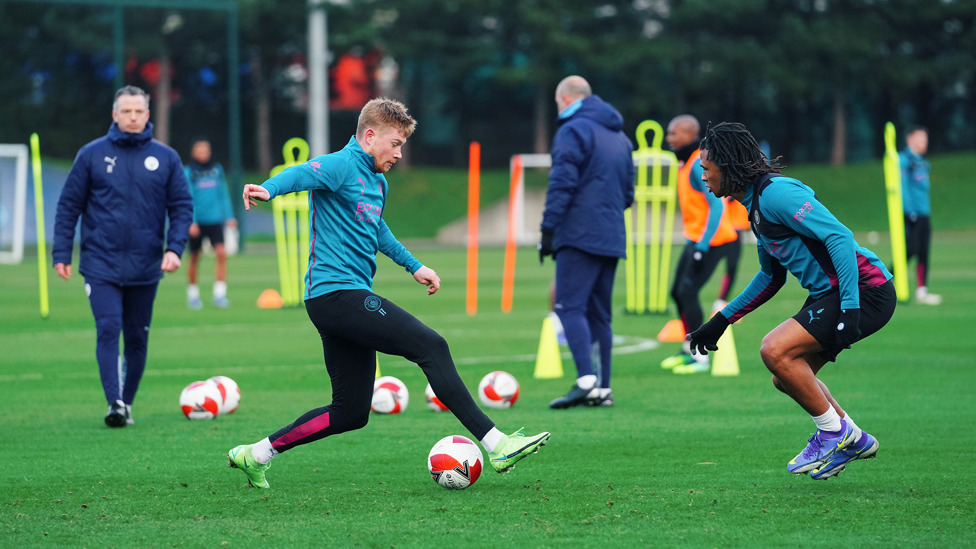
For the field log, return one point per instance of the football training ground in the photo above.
(695, 461)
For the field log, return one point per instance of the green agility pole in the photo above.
(896, 215)
(39, 216)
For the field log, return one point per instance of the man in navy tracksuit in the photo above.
(124, 186)
(591, 183)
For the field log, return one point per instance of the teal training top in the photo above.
(208, 187)
(346, 228)
(820, 251)
(914, 183)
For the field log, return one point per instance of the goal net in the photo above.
(13, 202)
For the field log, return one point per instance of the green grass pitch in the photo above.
(679, 461)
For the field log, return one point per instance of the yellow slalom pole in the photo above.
(670, 197)
(39, 215)
(640, 257)
(630, 262)
(282, 247)
(896, 214)
(303, 236)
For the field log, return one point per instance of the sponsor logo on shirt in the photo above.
(802, 212)
(368, 213)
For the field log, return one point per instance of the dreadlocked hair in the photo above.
(735, 151)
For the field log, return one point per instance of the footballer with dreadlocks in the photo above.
(851, 295)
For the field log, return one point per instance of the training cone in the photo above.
(725, 361)
(548, 363)
(270, 299)
(672, 332)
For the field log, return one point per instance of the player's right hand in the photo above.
(252, 193)
(545, 246)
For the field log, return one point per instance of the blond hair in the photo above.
(383, 112)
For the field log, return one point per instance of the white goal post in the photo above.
(13, 202)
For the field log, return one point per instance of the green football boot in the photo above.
(694, 367)
(514, 447)
(679, 359)
(242, 458)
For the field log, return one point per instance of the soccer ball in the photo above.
(230, 394)
(390, 396)
(200, 400)
(455, 462)
(498, 390)
(433, 402)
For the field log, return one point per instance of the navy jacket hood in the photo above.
(596, 109)
(591, 182)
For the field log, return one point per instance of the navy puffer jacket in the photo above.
(124, 187)
(591, 182)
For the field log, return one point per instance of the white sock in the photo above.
(828, 421)
(220, 289)
(586, 382)
(857, 430)
(492, 439)
(263, 452)
(686, 347)
(557, 325)
(604, 392)
(193, 291)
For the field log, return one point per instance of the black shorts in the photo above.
(214, 233)
(819, 316)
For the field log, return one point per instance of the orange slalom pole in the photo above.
(474, 198)
(508, 277)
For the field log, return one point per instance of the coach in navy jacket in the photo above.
(591, 183)
(124, 186)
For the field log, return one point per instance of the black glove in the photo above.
(697, 261)
(545, 245)
(848, 327)
(706, 337)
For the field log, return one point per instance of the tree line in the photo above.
(817, 79)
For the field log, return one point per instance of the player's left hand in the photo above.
(706, 337)
(63, 269)
(848, 327)
(171, 262)
(427, 276)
